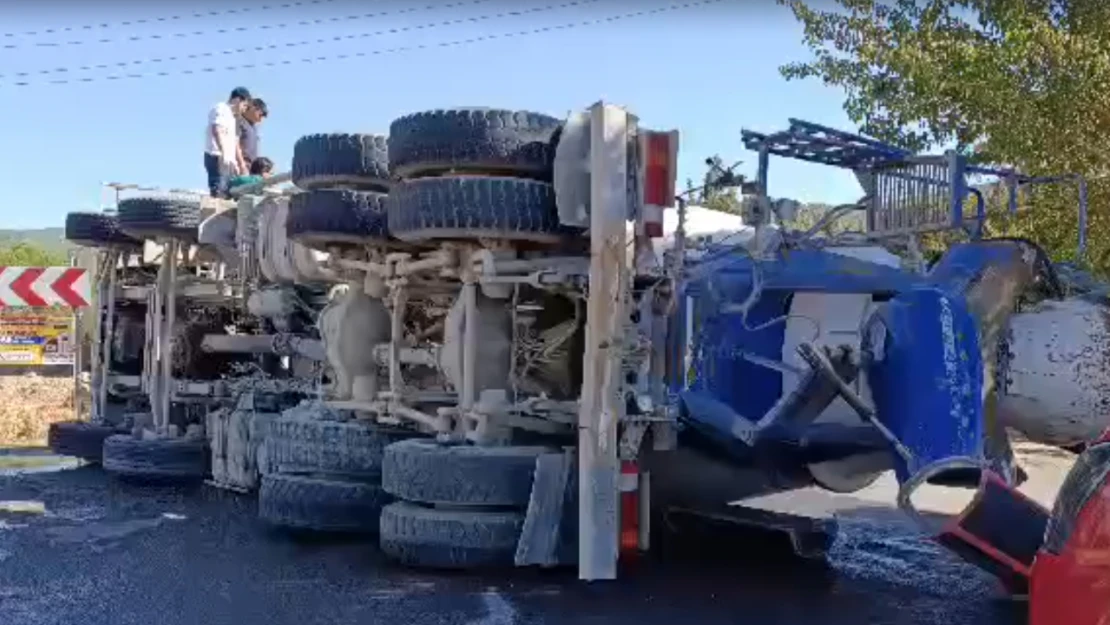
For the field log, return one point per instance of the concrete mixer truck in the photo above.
(478, 338)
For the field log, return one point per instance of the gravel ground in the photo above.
(76, 548)
(30, 402)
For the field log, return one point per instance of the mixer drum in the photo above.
(1057, 389)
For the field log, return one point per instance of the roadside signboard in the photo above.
(36, 336)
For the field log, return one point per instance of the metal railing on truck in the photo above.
(908, 194)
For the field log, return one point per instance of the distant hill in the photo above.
(49, 239)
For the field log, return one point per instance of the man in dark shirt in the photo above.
(249, 121)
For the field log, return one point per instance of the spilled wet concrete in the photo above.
(96, 553)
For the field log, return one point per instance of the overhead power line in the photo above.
(239, 29)
(370, 53)
(296, 44)
(162, 20)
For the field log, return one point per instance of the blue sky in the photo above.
(708, 71)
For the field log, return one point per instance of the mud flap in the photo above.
(999, 532)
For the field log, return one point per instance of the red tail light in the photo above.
(660, 150)
(630, 507)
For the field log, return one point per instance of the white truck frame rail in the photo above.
(601, 406)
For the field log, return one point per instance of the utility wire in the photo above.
(163, 19)
(371, 53)
(240, 29)
(295, 44)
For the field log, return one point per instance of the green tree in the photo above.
(1020, 82)
(726, 202)
(25, 254)
(808, 215)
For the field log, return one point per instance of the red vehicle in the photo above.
(1061, 558)
(1070, 578)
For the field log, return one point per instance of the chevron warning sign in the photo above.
(44, 286)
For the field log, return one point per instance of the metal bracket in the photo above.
(821, 364)
(814, 392)
(631, 438)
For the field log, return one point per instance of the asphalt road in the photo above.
(76, 548)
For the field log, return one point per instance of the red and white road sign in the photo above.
(44, 286)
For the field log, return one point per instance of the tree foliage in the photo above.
(1024, 83)
(809, 214)
(727, 202)
(25, 254)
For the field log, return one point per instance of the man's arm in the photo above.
(213, 126)
(241, 158)
(229, 155)
(240, 153)
(232, 162)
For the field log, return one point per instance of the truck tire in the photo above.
(148, 218)
(424, 471)
(481, 140)
(328, 216)
(157, 460)
(79, 439)
(320, 505)
(341, 160)
(299, 445)
(97, 230)
(463, 207)
(449, 539)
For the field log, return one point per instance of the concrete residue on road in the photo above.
(83, 524)
(400, 589)
(78, 514)
(903, 557)
(101, 534)
(498, 610)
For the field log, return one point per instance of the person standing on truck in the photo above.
(255, 112)
(221, 145)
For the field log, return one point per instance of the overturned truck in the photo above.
(479, 338)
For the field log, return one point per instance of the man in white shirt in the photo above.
(221, 141)
(248, 130)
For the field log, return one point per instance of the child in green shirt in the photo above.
(261, 169)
